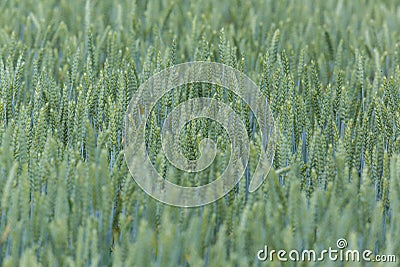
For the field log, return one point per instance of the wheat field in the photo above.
(330, 71)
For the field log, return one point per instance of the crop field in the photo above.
(329, 71)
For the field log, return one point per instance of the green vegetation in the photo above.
(330, 69)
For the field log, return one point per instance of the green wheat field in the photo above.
(330, 71)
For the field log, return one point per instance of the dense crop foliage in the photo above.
(331, 73)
